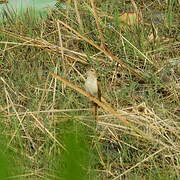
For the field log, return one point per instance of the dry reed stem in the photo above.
(45, 130)
(44, 94)
(98, 24)
(49, 47)
(43, 111)
(43, 44)
(134, 6)
(78, 16)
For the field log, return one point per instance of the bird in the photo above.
(92, 84)
(92, 87)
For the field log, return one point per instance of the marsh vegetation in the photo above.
(48, 127)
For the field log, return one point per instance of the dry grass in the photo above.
(138, 132)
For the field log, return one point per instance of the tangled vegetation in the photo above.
(48, 127)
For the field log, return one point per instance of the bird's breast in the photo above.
(91, 86)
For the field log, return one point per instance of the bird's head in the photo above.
(91, 72)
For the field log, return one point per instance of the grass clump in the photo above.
(50, 126)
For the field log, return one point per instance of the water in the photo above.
(19, 6)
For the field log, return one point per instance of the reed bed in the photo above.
(46, 118)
